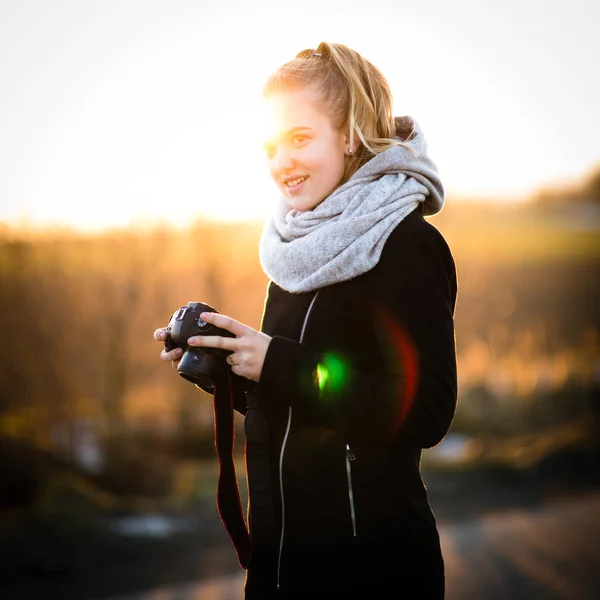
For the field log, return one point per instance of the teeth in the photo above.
(295, 182)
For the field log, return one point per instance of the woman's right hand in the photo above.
(173, 355)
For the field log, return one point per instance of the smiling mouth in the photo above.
(292, 183)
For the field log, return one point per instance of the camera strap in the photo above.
(228, 493)
(258, 469)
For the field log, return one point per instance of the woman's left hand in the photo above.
(248, 347)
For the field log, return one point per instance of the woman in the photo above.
(355, 366)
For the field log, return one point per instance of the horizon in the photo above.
(536, 202)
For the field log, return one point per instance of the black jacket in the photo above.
(349, 409)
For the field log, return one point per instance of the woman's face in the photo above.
(306, 152)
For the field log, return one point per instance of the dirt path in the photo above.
(540, 553)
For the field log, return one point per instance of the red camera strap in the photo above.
(228, 493)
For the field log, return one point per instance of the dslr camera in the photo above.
(202, 366)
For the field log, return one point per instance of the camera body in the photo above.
(201, 366)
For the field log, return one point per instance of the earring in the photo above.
(350, 151)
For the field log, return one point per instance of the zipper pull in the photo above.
(349, 453)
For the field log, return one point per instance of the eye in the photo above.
(297, 140)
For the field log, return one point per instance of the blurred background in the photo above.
(133, 181)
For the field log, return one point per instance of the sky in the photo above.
(119, 112)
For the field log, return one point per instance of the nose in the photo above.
(282, 161)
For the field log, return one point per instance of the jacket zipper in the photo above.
(285, 437)
(350, 456)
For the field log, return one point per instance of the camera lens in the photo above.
(201, 368)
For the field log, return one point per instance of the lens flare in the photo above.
(322, 376)
(402, 359)
(331, 373)
(400, 365)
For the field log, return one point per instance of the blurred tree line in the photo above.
(82, 389)
(80, 378)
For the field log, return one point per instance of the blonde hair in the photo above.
(355, 92)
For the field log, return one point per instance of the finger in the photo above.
(225, 322)
(160, 334)
(172, 354)
(214, 341)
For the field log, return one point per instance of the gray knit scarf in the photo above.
(344, 235)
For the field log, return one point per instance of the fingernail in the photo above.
(178, 351)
